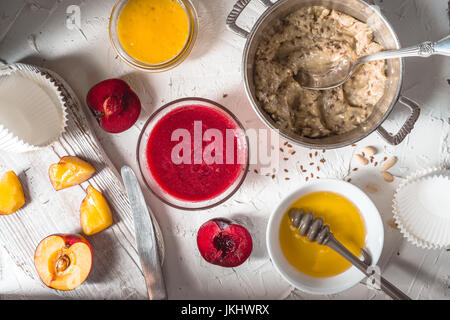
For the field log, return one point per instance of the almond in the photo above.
(389, 163)
(372, 188)
(361, 159)
(369, 151)
(387, 176)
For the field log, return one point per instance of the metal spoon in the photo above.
(315, 230)
(340, 71)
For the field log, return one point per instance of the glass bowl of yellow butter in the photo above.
(354, 221)
(153, 35)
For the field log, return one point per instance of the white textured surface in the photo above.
(34, 32)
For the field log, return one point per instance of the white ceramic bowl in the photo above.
(350, 277)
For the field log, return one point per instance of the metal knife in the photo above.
(147, 244)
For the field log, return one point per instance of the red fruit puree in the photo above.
(192, 181)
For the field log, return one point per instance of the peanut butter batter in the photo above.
(314, 38)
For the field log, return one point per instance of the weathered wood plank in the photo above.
(116, 271)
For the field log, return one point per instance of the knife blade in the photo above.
(147, 245)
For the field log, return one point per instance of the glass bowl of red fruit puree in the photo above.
(193, 153)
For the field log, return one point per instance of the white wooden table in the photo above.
(34, 32)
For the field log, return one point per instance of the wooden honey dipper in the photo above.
(315, 230)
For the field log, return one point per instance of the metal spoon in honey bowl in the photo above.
(338, 72)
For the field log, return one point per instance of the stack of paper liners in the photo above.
(32, 110)
(422, 208)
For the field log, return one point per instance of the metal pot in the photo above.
(384, 34)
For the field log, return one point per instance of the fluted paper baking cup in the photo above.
(32, 109)
(422, 208)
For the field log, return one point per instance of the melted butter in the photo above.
(345, 223)
(153, 31)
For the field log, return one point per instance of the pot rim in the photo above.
(261, 113)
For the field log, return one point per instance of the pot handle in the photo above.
(236, 12)
(407, 126)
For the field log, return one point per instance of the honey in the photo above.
(345, 223)
(153, 31)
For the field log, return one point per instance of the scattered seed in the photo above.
(316, 153)
(353, 145)
(312, 175)
(385, 158)
(287, 178)
(389, 163)
(370, 151)
(281, 149)
(376, 163)
(361, 159)
(273, 176)
(372, 188)
(363, 154)
(310, 155)
(318, 168)
(285, 159)
(285, 143)
(311, 163)
(387, 176)
(349, 180)
(256, 171)
(393, 224)
(317, 177)
(289, 145)
(291, 151)
(301, 167)
(307, 178)
(303, 170)
(286, 170)
(355, 169)
(323, 151)
(322, 160)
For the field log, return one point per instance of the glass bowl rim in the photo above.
(245, 166)
(163, 66)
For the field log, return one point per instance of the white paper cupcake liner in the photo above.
(39, 116)
(422, 208)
